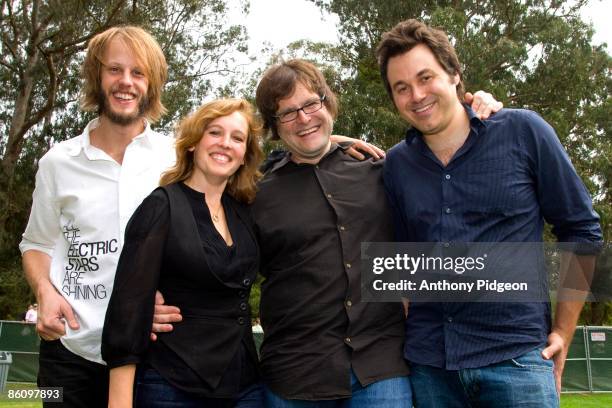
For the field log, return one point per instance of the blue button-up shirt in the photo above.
(510, 176)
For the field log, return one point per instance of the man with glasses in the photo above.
(322, 345)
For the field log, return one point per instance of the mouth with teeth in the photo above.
(124, 96)
(423, 109)
(308, 131)
(220, 157)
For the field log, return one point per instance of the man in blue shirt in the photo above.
(457, 178)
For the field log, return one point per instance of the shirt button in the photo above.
(348, 266)
(328, 195)
(348, 339)
(342, 228)
(449, 319)
(447, 210)
(446, 244)
(447, 176)
(246, 282)
(349, 303)
(241, 321)
(243, 306)
(242, 294)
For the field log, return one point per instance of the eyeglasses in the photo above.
(308, 108)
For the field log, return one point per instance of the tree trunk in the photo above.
(14, 146)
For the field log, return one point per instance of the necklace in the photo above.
(215, 216)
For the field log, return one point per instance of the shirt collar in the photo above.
(476, 125)
(287, 158)
(85, 142)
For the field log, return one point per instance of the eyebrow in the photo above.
(424, 71)
(419, 74)
(120, 65)
(215, 126)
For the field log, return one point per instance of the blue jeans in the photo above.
(389, 393)
(525, 381)
(153, 391)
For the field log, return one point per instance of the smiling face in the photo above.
(307, 137)
(220, 151)
(423, 92)
(123, 85)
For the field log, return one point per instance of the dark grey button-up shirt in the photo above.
(311, 220)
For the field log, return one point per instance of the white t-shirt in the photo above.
(82, 202)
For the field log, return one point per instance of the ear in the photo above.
(456, 79)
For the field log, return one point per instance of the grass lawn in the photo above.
(586, 400)
(567, 400)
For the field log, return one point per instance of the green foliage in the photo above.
(255, 296)
(15, 294)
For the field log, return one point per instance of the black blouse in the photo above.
(172, 245)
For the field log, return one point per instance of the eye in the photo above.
(138, 73)
(287, 115)
(425, 78)
(114, 70)
(238, 138)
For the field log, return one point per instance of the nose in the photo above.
(224, 141)
(418, 93)
(303, 117)
(126, 77)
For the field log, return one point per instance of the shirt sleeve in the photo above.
(564, 200)
(129, 316)
(43, 227)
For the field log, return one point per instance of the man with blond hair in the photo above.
(86, 191)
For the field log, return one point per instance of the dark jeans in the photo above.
(153, 391)
(85, 383)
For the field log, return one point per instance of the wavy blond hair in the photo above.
(148, 53)
(242, 185)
